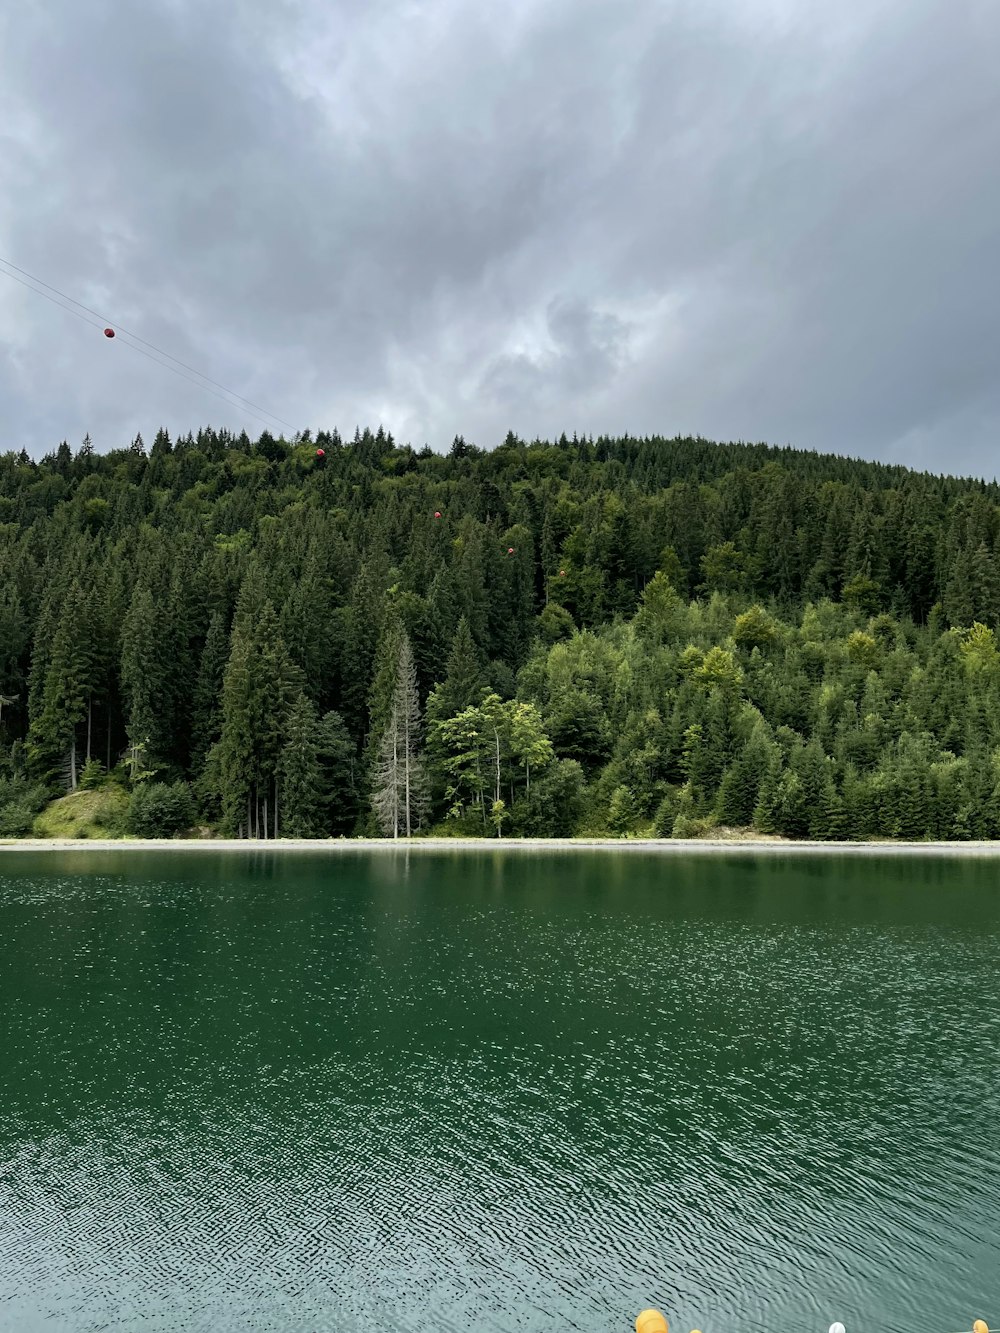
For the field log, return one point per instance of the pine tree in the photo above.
(812, 768)
(364, 618)
(206, 713)
(399, 788)
(338, 756)
(68, 686)
(307, 626)
(385, 680)
(767, 811)
(233, 758)
(143, 677)
(464, 683)
(57, 585)
(737, 795)
(793, 811)
(511, 586)
(304, 798)
(14, 640)
(260, 687)
(186, 618)
(711, 753)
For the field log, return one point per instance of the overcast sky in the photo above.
(756, 220)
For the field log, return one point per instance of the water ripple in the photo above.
(255, 1093)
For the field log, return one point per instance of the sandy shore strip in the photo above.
(664, 846)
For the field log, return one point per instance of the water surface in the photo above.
(494, 1090)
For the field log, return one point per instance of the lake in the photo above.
(498, 1090)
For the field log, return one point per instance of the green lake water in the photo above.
(498, 1091)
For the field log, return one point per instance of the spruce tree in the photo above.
(233, 759)
(260, 687)
(144, 678)
(399, 786)
(737, 795)
(341, 773)
(464, 683)
(304, 798)
(767, 811)
(363, 626)
(206, 712)
(69, 684)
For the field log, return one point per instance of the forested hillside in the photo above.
(622, 636)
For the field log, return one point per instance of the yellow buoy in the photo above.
(980, 1326)
(650, 1321)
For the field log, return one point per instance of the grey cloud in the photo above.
(584, 349)
(747, 222)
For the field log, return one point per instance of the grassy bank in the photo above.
(98, 813)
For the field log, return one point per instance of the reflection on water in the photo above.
(499, 1091)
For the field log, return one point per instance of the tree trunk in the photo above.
(527, 777)
(90, 710)
(276, 808)
(109, 735)
(497, 735)
(249, 816)
(265, 817)
(406, 761)
(395, 784)
(72, 762)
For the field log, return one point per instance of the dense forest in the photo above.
(623, 636)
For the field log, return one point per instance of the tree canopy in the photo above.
(616, 636)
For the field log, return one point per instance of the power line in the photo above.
(60, 304)
(134, 341)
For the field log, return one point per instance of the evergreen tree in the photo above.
(768, 812)
(206, 713)
(69, 683)
(143, 673)
(464, 683)
(364, 620)
(304, 797)
(340, 766)
(260, 687)
(399, 788)
(556, 575)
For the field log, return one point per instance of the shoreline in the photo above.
(660, 846)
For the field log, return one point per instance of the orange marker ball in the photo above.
(650, 1321)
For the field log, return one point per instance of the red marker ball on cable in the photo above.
(320, 453)
(109, 333)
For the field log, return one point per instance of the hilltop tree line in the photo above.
(322, 637)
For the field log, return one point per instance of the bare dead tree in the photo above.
(400, 794)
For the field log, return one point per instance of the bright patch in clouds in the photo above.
(764, 221)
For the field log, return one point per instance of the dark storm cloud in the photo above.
(755, 221)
